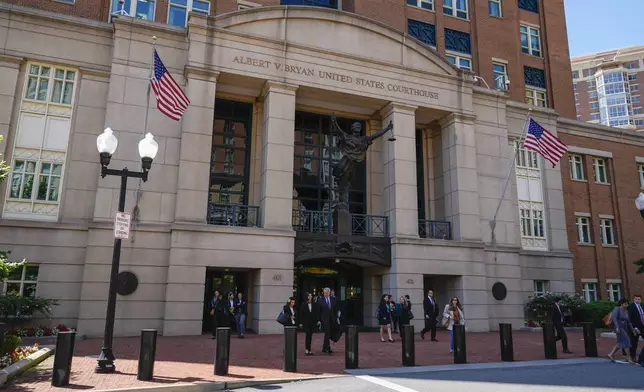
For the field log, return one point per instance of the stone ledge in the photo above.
(539, 329)
(21, 366)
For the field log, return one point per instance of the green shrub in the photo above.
(594, 312)
(539, 308)
(15, 309)
(11, 342)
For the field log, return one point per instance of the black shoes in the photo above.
(567, 352)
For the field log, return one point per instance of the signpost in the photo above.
(122, 225)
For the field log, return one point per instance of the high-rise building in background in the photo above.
(608, 87)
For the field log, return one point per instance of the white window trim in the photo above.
(546, 287)
(132, 10)
(603, 227)
(534, 91)
(500, 3)
(586, 291)
(640, 171)
(188, 7)
(455, 10)
(529, 26)
(596, 167)
(245, 4)
(458, 56)
(610, 291)
(504, 64)
(22, 280)
(579, 225)
(590, 151)
(573, 173)
(419, 5)
(532, 170)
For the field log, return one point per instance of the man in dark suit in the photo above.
(214, 306)
(430, 309)
(558, 321)
(329, 315)
(636, 316)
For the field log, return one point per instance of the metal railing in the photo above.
(369, 225)
(438, 230)
(313, 221)
(233, 215)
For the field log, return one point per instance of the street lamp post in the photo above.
(106, 144)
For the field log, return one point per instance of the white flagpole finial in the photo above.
(154, 38)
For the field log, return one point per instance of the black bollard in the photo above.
(408, 346)
(63, 359)
(290, 349)
(460, 348)
(3, 327)
(222, 354)
(507, 348)
(351, 348)
(549, 341)
(146, 354)
(590, 340)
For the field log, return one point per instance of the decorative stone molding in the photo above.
(271, 85)
(589, 151)
(199, 73)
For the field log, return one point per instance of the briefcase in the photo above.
(336, 332)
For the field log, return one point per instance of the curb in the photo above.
(539, 329)
(21, 366)
(472, 366)
(610, 335)
(217, 385)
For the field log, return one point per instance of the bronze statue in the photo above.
(353, 147)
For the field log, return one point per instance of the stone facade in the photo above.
(280, 60)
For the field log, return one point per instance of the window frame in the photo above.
(454, 10)
(607, 225)
(495, 78)
(582, 222)
(457, 56)
(420, 3)
(529, 29)
(613, 289)
(587, 288)
(22, 280)
(189, 8)
(500, 3)
(600, 167)
(640, 170)
(545, 287)
(574, 175)
(534, 96)
(132, 10)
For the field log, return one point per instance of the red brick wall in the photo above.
(91, 9)
(617, 199)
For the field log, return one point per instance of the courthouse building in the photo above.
(240, 195)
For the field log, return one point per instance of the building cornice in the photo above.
(602, 132)
(54, 16)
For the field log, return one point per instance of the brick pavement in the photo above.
(190, 359)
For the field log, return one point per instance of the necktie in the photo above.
(328, 302)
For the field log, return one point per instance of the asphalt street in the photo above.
(597, 376)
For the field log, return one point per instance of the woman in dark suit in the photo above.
(384, 317)
(289, 311)
(308, 319)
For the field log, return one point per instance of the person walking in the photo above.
(384, 317)
(309, 320)
(329, 314)
(430, 310)
(453, 315)
(289, 311)
(558, 321)
(636, 317)
(215, 308)
(240, 315)
(621, 327)
(405, 314)
(397, 312)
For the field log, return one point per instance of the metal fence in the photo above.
(233, 215)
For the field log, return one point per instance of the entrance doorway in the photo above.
(225, 281)
(343, 278)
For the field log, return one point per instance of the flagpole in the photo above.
(524, 131)
(137, 194)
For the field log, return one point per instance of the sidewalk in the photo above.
(181, 360)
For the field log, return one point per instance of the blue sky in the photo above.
(596, 25)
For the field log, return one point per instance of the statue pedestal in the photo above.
(342, 222)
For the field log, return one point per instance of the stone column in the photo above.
(460, 177)
(400, 193)
(196, 146)
(278, 136)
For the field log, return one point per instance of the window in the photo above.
(457, 8)
(637, 110)
(535, 96)
(494, 6)
(590, 292)
(500, 73)
(594, 105)
(614, 291)
(458, 41)
(314, 3)
(530, 199)
(530, 40)
(639, 123)
(635, 87)
(592, 94)
(40, 146)
(140, 9)
(426, 4)
(599, 165)
(22, 281)
(635, 99)
(583, 230)
(595, 117)
(575, 74)
(607, 231)
(541, 287)
(632, 77)
(178, 10)
(461, 61)
(529, 5)
(532, 223)
(576, 167)
(640, 169)
(424, 32)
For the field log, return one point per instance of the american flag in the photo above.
(545, 143)
(171, 100)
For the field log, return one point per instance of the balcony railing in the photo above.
(369, 225)
(437, 230)
(322, 222)
(233, 215)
